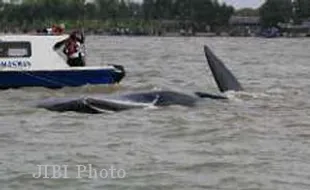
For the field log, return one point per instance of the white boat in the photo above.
(30, 60)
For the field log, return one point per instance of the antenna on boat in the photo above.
(84, 17)
(82, 28)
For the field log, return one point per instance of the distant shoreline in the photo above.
(163, 34)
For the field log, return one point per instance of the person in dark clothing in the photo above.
(73, 49)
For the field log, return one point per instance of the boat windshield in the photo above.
(15, 49)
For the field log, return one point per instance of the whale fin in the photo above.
(224, 79)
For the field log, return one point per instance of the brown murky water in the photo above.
(259, 139)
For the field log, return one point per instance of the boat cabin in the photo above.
(31, 52)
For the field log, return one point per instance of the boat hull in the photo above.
(61, 78)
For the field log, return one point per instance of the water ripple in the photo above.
(258, 139)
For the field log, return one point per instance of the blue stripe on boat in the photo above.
(59, 78)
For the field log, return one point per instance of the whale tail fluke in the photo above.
(224, 79)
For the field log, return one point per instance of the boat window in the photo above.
(15, 49)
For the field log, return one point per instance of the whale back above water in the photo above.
(162, 98)
(225, 80)
(99, 104)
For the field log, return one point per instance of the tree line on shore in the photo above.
(273, 12)
(114, 13)
(40, 12)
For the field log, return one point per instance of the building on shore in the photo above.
(291, 30)
(244, 25)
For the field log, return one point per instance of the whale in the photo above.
(95, 104)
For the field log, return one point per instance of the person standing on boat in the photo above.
(74, 50)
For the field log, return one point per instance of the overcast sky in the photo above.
(244, 3)
(239, 3)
